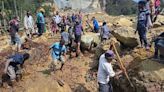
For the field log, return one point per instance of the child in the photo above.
(53, 27)
(142, 23)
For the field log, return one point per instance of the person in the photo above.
(105, 32)
(150, 11)
(159, 46)
(53, 27)
(58, 52)
(142, 23)
(80, 17)
(63, 24)
(29, 24)
(71, 35)
(96, 25)
(13, 32)
(40, 22)
(14, 64)
(78, 30)
(65, 37)
(105, 72)
(73, 18)
(57, 19)
(157, 9)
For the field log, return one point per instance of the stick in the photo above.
(121, 65)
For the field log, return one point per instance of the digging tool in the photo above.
(121, 64)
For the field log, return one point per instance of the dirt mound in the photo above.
(46, 84)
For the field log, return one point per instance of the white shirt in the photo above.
(28, 22)
(57, 19)
(105, 70)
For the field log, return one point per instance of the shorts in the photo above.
(61, 59)
(77, 38)
(16, 39)
(13, 71)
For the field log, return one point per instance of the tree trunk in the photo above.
(15, 6)
(4, 21)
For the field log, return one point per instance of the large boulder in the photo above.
(123, 22)
(102, 48)
(88, 39)
(126, 36)
(159, 22)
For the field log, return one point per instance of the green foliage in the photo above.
(121, 7)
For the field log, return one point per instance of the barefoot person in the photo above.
(58, 53)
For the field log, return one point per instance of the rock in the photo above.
(123, 22)
(88, 39)
(156, 24)
(102, 48)
(46, 84)
(126, 36)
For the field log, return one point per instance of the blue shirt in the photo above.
(57, 50)
(40, 18)
(16, 59)
(95, 24)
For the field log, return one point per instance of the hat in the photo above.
(109, 54)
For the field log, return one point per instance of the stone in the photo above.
(156, 24)
(123, 22)
(89, 39)
(126, 36)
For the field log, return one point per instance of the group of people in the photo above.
(71, 29)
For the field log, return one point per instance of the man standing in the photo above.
(29, 24)
(57, 19)
(40, 22)
(78, 31)
(13, 31)
(142, 23)
(96, 25)
(105, 72)
(58, 53)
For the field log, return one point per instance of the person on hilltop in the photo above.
(95, 25)
(78, 31)
(142, 23)
(53, 27)
(58, 19)
(29, 24)
(13, 32)
(157, 9)
(40, 22)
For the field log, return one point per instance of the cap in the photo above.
(109, 53)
